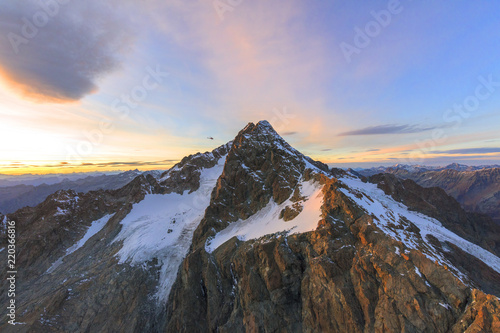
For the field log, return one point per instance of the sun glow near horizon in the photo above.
(191, 72)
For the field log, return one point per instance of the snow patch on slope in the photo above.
(267, 221)
(387, 211)
(94, 228)
(162, 227)
(61, 211)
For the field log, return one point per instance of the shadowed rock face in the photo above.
(348, 275)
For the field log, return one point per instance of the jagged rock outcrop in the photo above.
(185, 175)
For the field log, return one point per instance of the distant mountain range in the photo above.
(401, 168)
(476, 188)
(30, 190)
(52, 178)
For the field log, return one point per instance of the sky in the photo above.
(119, 85)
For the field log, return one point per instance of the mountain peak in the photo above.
(458, 167)
(262, 135)
(262, 127)
(265, 123)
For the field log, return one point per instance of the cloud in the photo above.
(55, 52)
(262, 56)
(468, 151)
(135, 163)
(85, 166)
(327, 149)
(387, 129)
(289, 133)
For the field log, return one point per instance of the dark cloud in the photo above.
(58, 52)
(468, 151)
(327, 149)
(369, 150)
(387, 129)
(289, 133)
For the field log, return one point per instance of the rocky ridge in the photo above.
(476, 189)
